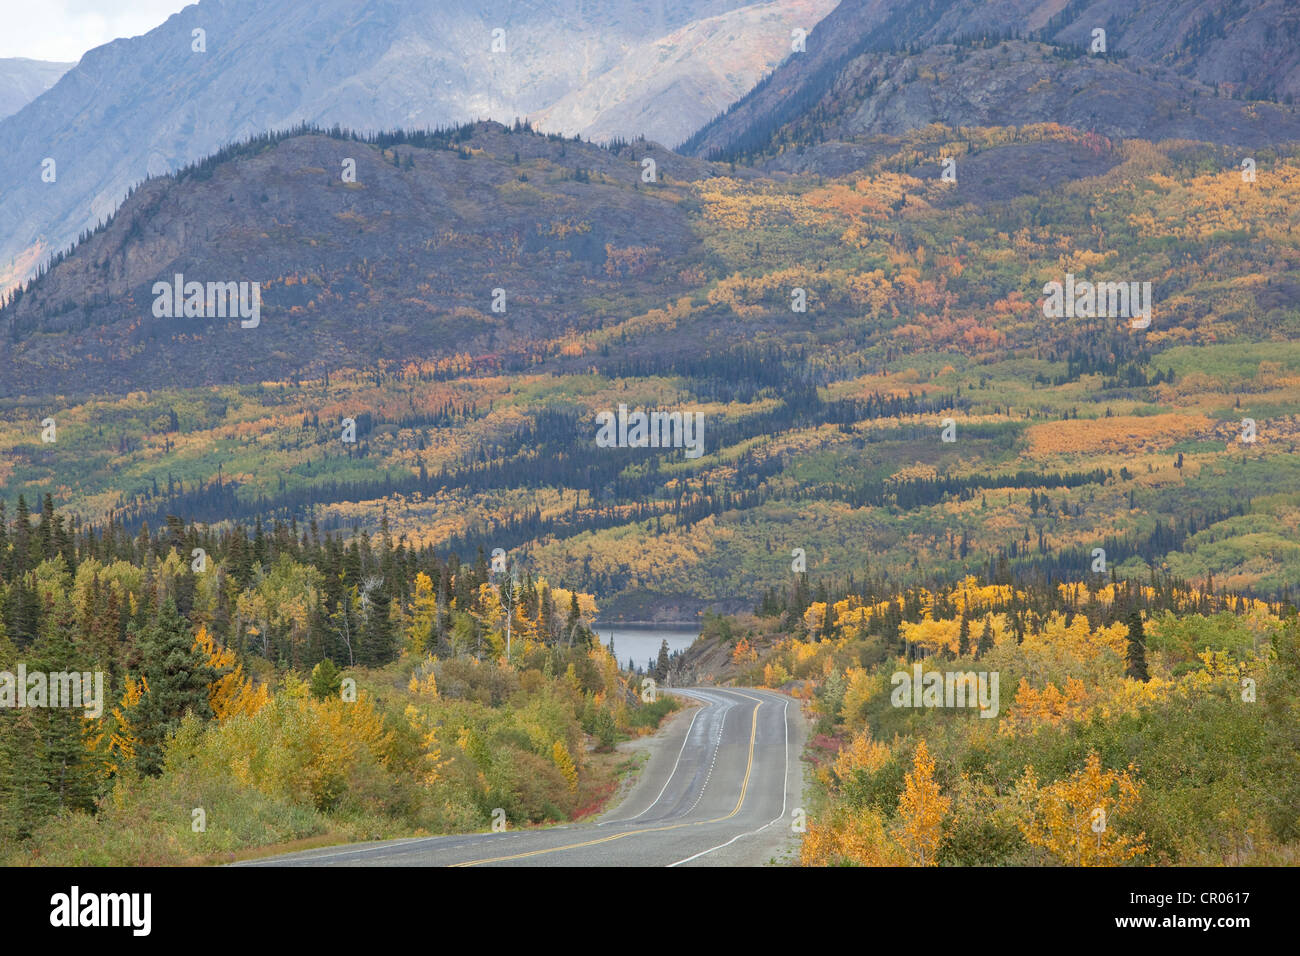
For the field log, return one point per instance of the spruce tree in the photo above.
(661, 665)
(25, 800)
(179, 676)
(66, 767)
(546, 615)
(1137, 647)
(377, 642)
(575, 616)
(986, 638)
(326, 680)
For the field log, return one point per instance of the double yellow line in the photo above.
(744, 787)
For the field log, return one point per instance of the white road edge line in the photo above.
(673, 772)
(785, 786)
(336, 855)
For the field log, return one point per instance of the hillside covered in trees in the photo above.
(826, 429)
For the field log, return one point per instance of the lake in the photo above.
(641, 644)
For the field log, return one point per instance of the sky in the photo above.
(65, 29)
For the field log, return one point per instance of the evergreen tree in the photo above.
(326, 679)
(546, 615)
(66, 768)
(661, 665)
(575, 615)
(259, 544)
(1137, 647)
(178, 675)
(25, 800)
(23, 538)
(377, 641)
(986, 638)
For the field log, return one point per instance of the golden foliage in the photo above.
(1128, 434)
(121, 741)
(1072, 819)
(560, 757)
(774, 675)
(862, 753)
(233, 693)
(1032, 708)
(862, 685)
(921, 809)
(423, 682)
(851, 838)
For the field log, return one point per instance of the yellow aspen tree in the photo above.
(850, 837)
(424, 682)
(233, 693)
(122, 741)
(1074, 819)
(425, 726)
(862, 753)
(774, 675)
(424, 614)
(560, 757)
(921, 809)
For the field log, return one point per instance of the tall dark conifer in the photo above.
(179, 677)
(1136, 658)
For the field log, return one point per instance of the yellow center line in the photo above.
(744, 787)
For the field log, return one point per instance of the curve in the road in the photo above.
(698, 806)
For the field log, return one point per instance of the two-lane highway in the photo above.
(720, 789)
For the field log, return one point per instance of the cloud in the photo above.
(65, 29)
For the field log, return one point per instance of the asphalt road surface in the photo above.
(720, 789)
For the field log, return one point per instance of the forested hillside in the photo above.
(824, 429)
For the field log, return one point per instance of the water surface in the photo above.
(641, 644)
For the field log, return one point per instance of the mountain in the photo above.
(1168, 70)
(667, 88)
(150, 104)
(22, 80)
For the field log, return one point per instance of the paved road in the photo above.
(719, 789)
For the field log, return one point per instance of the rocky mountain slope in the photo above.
(22, 80)
(1169, 70)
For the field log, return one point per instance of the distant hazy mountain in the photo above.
(22, 80)
(150, 104)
